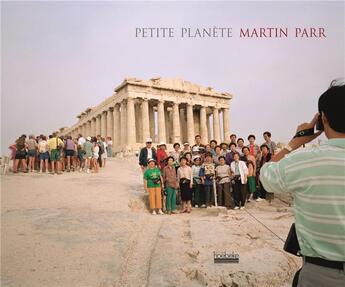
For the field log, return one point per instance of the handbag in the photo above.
(291, 243)
(185, 181)
(156, 180)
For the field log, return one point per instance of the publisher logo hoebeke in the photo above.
(224, 257)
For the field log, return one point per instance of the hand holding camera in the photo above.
(305, 132)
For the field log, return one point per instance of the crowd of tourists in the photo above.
(202, 176)
(58, 154)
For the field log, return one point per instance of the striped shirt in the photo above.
(316, 176)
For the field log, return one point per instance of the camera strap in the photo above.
(303, 133)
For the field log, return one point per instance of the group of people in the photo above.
(224, 174)
(58, 154)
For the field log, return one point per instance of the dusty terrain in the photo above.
(93, 230)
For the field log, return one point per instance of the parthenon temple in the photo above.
(166, 110)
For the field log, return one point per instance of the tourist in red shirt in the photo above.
(161, 155)
(254, 149)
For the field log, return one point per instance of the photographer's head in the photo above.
(331, 106)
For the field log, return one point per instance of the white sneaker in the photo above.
(154, 212)
(236, 207)
(80, 170)
(203, 206)
(196, 206)
(88, 170)
(259, 199)
(160, 212)
(242, 207)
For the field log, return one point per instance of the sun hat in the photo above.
(195, 149)
(151, 159)
(148, 140)
(186, 143)
(162, 143)
(196, 157)
(88, 138)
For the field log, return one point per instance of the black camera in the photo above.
(319, 124)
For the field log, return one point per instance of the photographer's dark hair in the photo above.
(332, 103)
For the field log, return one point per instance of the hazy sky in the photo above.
(60, 57)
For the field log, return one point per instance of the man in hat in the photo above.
(186, 148)
(161, 155)
(147, 153)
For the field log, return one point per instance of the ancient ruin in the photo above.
(166, 110)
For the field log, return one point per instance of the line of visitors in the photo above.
(57, 154)
(226, 174)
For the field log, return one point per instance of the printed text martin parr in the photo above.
(229, 32)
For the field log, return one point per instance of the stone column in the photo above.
(103, 123)
(145, 119)
(167, 120)
(88, 128)
(190, 124)
(123, 123)
(116, 126)
(131, 136)
(216, 128)
(161, 122)
(176, 124)
(98, 125)
(203, 125)
(93, 127)
(226, 124)
(152, 123)
(138, 123)
(110, 121)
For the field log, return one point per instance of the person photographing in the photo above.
(316, 177)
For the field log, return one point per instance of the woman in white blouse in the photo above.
(185, 181)
(239, 173)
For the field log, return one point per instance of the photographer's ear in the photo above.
(324, 119)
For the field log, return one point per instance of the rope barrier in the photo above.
(263, 223)
(265, 226)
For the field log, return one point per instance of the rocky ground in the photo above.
(93, 230)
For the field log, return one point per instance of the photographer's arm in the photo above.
(295, 143)
(272, 174)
